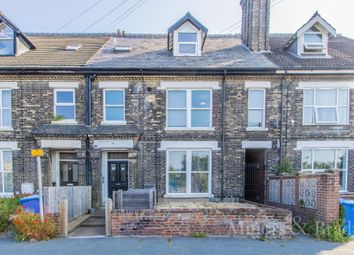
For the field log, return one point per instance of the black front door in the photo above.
(117, 176)
(69, 173)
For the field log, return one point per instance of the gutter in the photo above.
(89, 79)
(136, 71)
(223, 101)
(317, 71)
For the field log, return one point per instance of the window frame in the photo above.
(315, 107)
(2, 172)
(249, 108)
(187, 43)
(14, 44)
(189, 172)
(65, 104)
(312, 170)
(117, 122)
(2, 126)
(189, 110)
(307, 46)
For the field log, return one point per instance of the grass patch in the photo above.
(333, 232)
(199, 235)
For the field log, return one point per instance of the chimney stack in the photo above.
(255, 24)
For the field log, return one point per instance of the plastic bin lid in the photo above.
(346, 201)
(32, 197)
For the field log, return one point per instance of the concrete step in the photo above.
(97, 212)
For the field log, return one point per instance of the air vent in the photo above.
(123, 49)
(73, 47)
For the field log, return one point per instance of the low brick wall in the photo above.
(307, 196)
(258, 222)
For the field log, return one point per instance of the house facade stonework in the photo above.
(211, 125)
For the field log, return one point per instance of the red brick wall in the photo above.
(327, 199)
(256, 222)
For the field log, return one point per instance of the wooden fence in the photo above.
(79, 200)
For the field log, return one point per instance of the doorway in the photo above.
(69, 169)
(255, 175)
(118, 168)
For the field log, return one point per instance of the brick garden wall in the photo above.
(320, 201)
(254, 222)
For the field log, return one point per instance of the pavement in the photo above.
(93, 226)
(300, 245)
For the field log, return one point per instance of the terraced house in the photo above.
(193, 114)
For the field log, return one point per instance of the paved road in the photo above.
(176, 246)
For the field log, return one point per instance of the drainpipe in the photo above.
(223, 100)
(89, 80)
(283, 84)
(141, 120)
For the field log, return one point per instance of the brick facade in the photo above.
(32, 106)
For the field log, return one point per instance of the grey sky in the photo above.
(155, 16)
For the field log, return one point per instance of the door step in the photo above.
(97, 212)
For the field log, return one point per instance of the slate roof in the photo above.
(48, 130)
(150, 51)
(50, 51)
(74, 130)
(340, 50)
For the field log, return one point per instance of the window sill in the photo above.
(113, 123)
(326, 124)
(188, 196)
(257, 129)
(64, 122)
(345, 192)
(189, 129)
(6, 129)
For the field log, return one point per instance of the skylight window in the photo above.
(7, 40)
(73, 47)
(187, 43)
(123, 48)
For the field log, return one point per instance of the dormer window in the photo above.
(7, 40)
(311, 40)
(187, 43)
(12, 40)
(186, 37)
